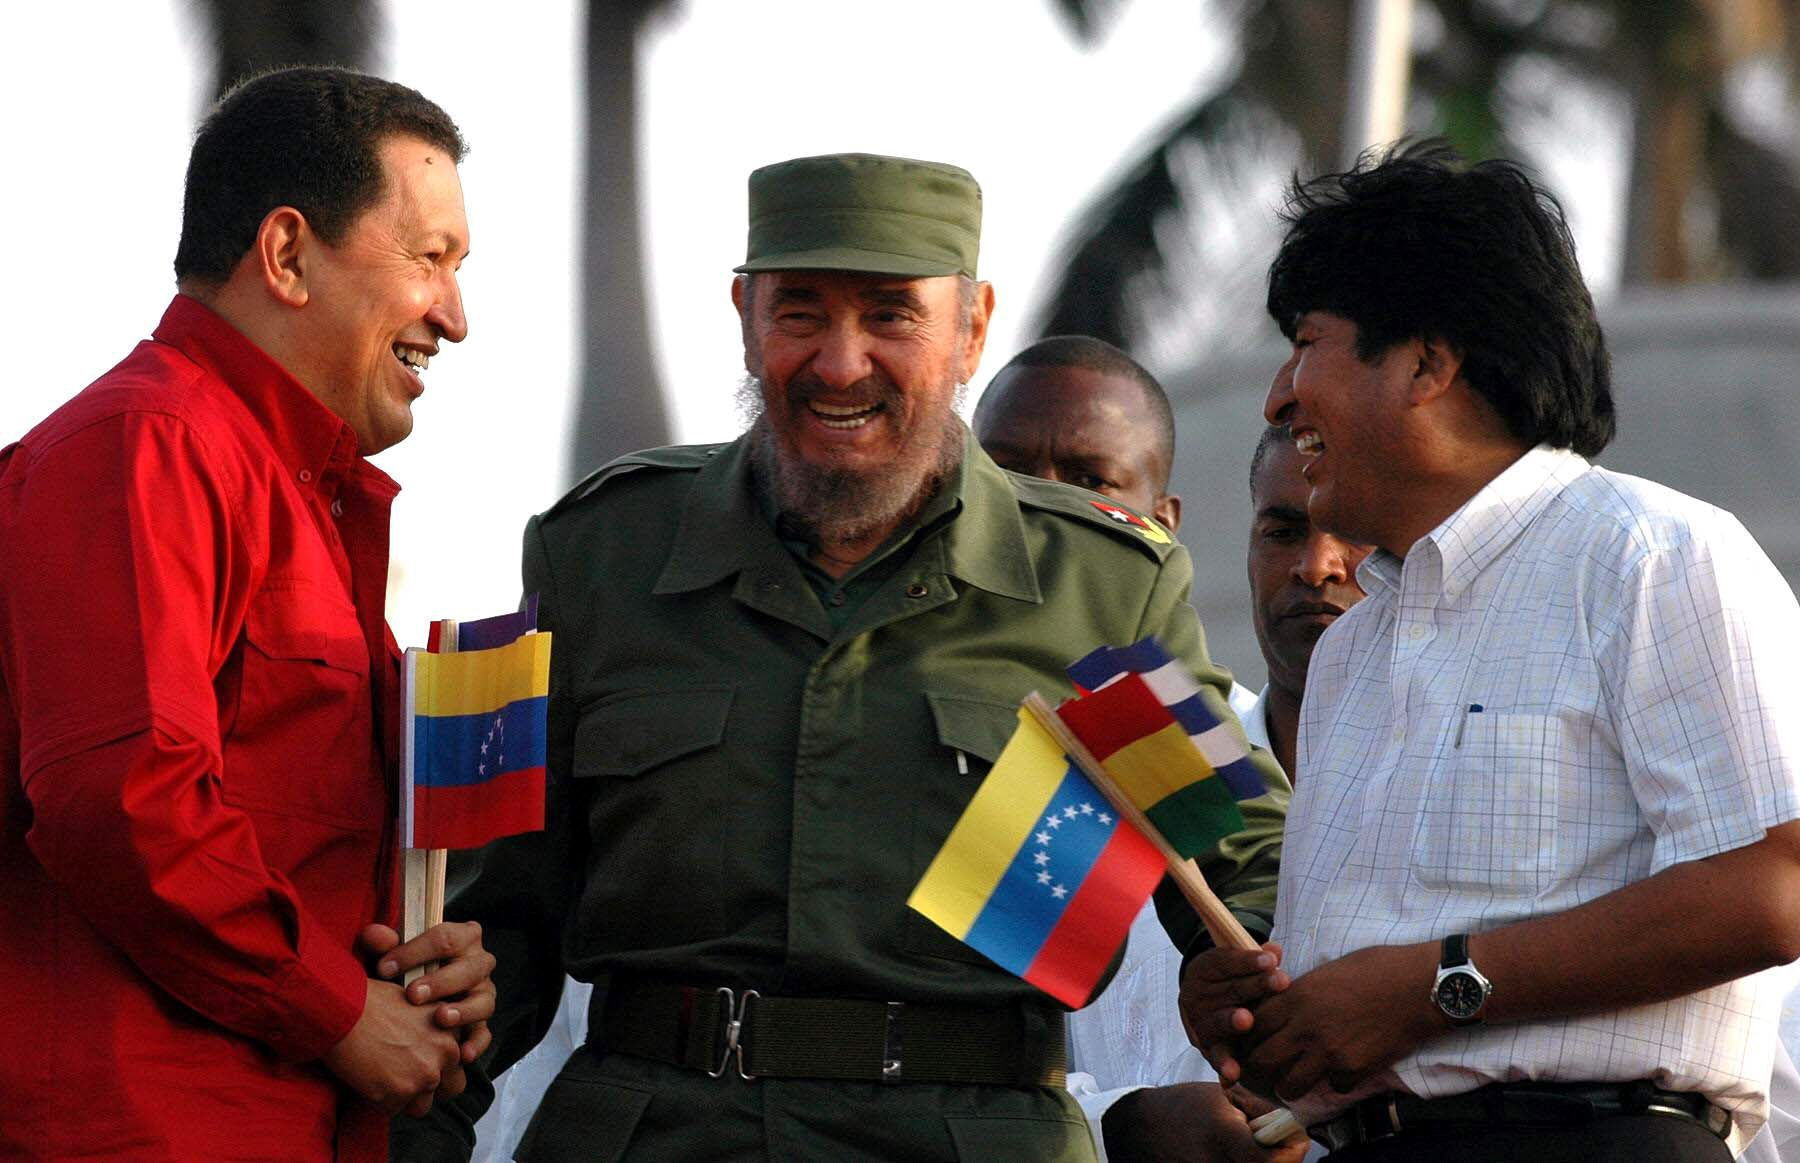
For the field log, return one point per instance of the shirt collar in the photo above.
(724, 531)
(1256, 721)
(1474, 537)
(312, 441)
(986, 545)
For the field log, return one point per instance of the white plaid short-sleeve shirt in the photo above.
(1577, 680)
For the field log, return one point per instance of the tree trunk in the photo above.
(1665, 163)
(1675, 67)
(620, 407)
(252, 36)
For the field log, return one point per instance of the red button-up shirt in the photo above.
(196, 684)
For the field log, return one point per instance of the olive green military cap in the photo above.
(864, 212)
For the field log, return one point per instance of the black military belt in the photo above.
(1515, 1104)
(721, 1029)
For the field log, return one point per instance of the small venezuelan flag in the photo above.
(474, 743)
(1039, 875)
(1142, 716)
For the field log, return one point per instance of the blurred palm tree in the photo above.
(1711, 194)
(620, 403)
(249, 36)
(619, 407)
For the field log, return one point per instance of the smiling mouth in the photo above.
(844, 418)
(412, 359)
(1308, 444)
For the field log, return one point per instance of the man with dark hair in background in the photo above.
(1545, 840)
(1077, 409)
(198, 690)
(1302, 579)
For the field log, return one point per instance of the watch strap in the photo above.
(1456, 951)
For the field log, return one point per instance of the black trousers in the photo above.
(1648, 1138)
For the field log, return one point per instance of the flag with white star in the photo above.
(1039, 875)
(1142, 715)
(473, 744)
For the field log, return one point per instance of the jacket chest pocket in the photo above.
(1487, 820)
(971, 733)
(302, 740)
(656, 786)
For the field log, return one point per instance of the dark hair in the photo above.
(304, 137)
(1417, 244)
(1097, 355)
(1271, 436)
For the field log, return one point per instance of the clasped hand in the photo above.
(411, 1044)
(1340, 1024)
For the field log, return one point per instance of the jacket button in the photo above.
(917, 590)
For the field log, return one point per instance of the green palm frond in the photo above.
(1119, 251)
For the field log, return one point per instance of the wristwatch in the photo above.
(1460, 991)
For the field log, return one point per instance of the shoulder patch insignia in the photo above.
(1149, 529)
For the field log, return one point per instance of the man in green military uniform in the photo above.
(783, 665)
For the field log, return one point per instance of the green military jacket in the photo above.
(743, 795)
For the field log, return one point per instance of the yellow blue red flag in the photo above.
(1039, 874)
(474, 743)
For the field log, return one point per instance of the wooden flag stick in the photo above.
(1226, 929)
(424, 889)
(1278, 1125)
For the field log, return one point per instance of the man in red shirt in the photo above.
(198, 706)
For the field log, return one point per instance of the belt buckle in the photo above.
(736, 1007)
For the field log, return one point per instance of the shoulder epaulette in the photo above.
(1092, 509)
(678, 457)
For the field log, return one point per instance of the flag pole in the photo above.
(424, 867)
(1226, 930)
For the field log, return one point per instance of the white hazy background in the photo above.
(101, 100)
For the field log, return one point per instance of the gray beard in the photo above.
(834, 506)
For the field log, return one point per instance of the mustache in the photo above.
(874, 388)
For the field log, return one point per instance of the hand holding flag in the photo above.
(1007, 882)
(1054, 906)
(472, 747)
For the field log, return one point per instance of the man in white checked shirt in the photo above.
(1543, 853)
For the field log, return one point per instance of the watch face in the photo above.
(1460, 994)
